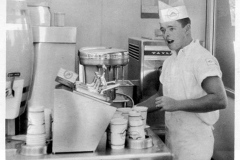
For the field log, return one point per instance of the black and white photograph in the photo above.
(120, 79)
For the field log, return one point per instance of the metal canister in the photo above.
(59, 19)
(118, 59)
(19, 48)
(39, 13)
(99, 56)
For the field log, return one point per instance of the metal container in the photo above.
(59, 19)
(19, 48)
(54, 49)
(79, 121)
(126, 87)
(99, 56)
(39, 13)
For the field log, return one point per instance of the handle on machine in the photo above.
(10, 92)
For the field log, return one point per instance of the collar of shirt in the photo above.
(188, 48)
(185, 50)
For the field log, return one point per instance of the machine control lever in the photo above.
(9, 91)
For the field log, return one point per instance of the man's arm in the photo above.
(150, 102)
(215, 99)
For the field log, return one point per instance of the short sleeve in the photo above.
(207, 66)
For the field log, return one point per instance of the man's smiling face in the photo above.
(174, 34)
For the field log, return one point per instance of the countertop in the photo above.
(159, 151)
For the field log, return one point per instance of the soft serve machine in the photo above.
(83, 112)
(107, 62)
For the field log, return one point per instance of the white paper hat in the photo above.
(171, 10)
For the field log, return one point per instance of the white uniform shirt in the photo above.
(182, 76)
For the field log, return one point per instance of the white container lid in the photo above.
(125, 110)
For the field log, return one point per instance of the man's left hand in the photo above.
(166, 103)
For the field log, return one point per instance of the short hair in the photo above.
(184, 21)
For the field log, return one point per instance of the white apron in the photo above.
(189, 135)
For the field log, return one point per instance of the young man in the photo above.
(192, 89)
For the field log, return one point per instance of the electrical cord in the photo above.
(127, 97)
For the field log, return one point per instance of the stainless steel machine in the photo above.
(79, 121)
(83, 110)
(107, 62)
(145, 62)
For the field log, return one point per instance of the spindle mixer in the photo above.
(108, 61)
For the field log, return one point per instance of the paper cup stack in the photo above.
(137, 138)
(125, 111)
(128, 126)
(143, 111)
(136, 127)
(118, 127)
(36, 136)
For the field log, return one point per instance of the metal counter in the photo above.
(159, 151)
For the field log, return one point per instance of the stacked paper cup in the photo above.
(136, 126)
(118, 127)
(143, 111)
(137, 138)
(117, 114)
(36, 136)
(125, 111)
